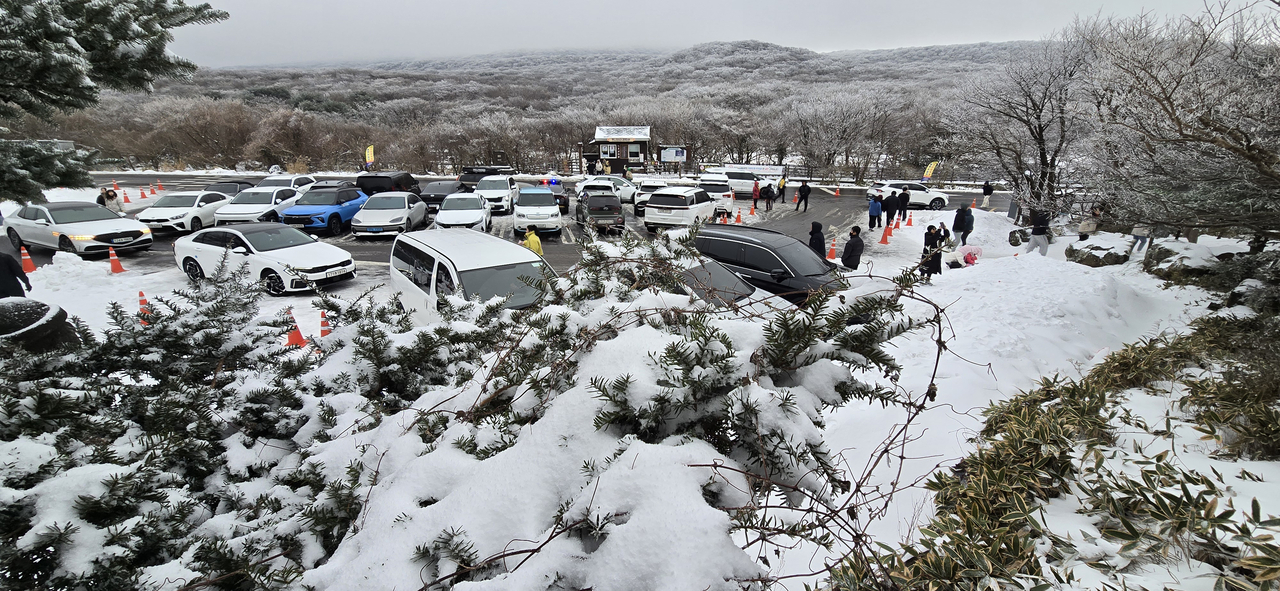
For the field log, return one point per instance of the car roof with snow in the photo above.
(714, 177)
(468, 249)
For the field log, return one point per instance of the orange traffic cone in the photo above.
(159, 185)
(124, 194)
(738, 220)
(153, 189)
(795, 197)
(324, 324)
(144, 308)
(837, 190)
(142, 192)
(831, 254)
(295, 335)
(897, 223)
(974, 205)
(28, 265)
(753, 209)
(116, 267)
(724, 219)
(884, 238)
(889, 229)
(115, 185)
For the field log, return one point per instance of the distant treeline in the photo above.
(863, 113)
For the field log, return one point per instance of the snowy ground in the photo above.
(1013, 318)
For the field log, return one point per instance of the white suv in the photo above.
(920, 194)
(719, 188)
(297, 182)
(499, 190)
(536, 208)
(678, 207)
(256, 204)
(623, 188)
(743, 183)
(642, 194)
(429, 264)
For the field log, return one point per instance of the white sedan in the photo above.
(465, 210)
(283, 258)
(75, 227)
(183, 210)
(258, 204)
(389, 212)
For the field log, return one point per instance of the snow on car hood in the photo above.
(380, 216)
(163, 213)
(455, 217)
(538, 210)
(244, 208)
(104, 226)
(305, 256)
(493, 193)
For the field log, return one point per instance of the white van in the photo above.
(678, 207)
(499, 190)
(429, 264)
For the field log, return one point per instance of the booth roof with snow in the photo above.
(620, 147)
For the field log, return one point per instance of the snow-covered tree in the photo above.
(1190, 118)
(56, 55)
(1029, 120)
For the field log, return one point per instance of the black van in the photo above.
(770, 260)
(379, 182)
(472, 174)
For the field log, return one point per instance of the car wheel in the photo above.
(937, 204)
(15, 239)
(193, 270)
(272, 282)
(334, 225)
(65, 245)
(649, 229)
(196, 224)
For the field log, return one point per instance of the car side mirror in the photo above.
(240, 250)
(121, 214)
(779, 275)
(314, 238)
(42, 222)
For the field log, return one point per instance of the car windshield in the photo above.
(454, 203)
(715, 284)
(319, 198)
(802, 259)
(251, 197)
(537, 199)
(88, 213)
(493, 185)
(442, 188)
(385, 203)
(603, 203)
(275, 238)
(503, 280)
(177, 201)
(650, 188)
(274, 182)
(711, 188)
(668, 200)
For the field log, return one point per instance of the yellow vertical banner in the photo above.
(368, 155)
(928, 172)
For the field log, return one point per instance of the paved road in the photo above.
(562, 252)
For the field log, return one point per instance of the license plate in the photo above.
(298, 225)
(154, 226)
(334, 273)
(121, 240)
(373, 229)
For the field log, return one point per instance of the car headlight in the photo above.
(178, 217)
(357, 220)
(519, 215)
(396, 220)
(477, 224)
(146, 230)
(261, 218)
(79, 236)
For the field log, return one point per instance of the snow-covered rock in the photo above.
(1100, 250)
(1173, 259)
(35, 325)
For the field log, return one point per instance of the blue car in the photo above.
(325, 208)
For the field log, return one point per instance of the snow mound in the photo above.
(1100, 250)
(990, 230)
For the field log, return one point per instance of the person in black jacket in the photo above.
(963, 224)
(853, 249)
(1039, 232)
(890, 207)
(10, 274)
(932, 255)
(987, 190)
(904, 201)
(802, 196)
(816, 240)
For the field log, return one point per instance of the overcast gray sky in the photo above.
(271, 32)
